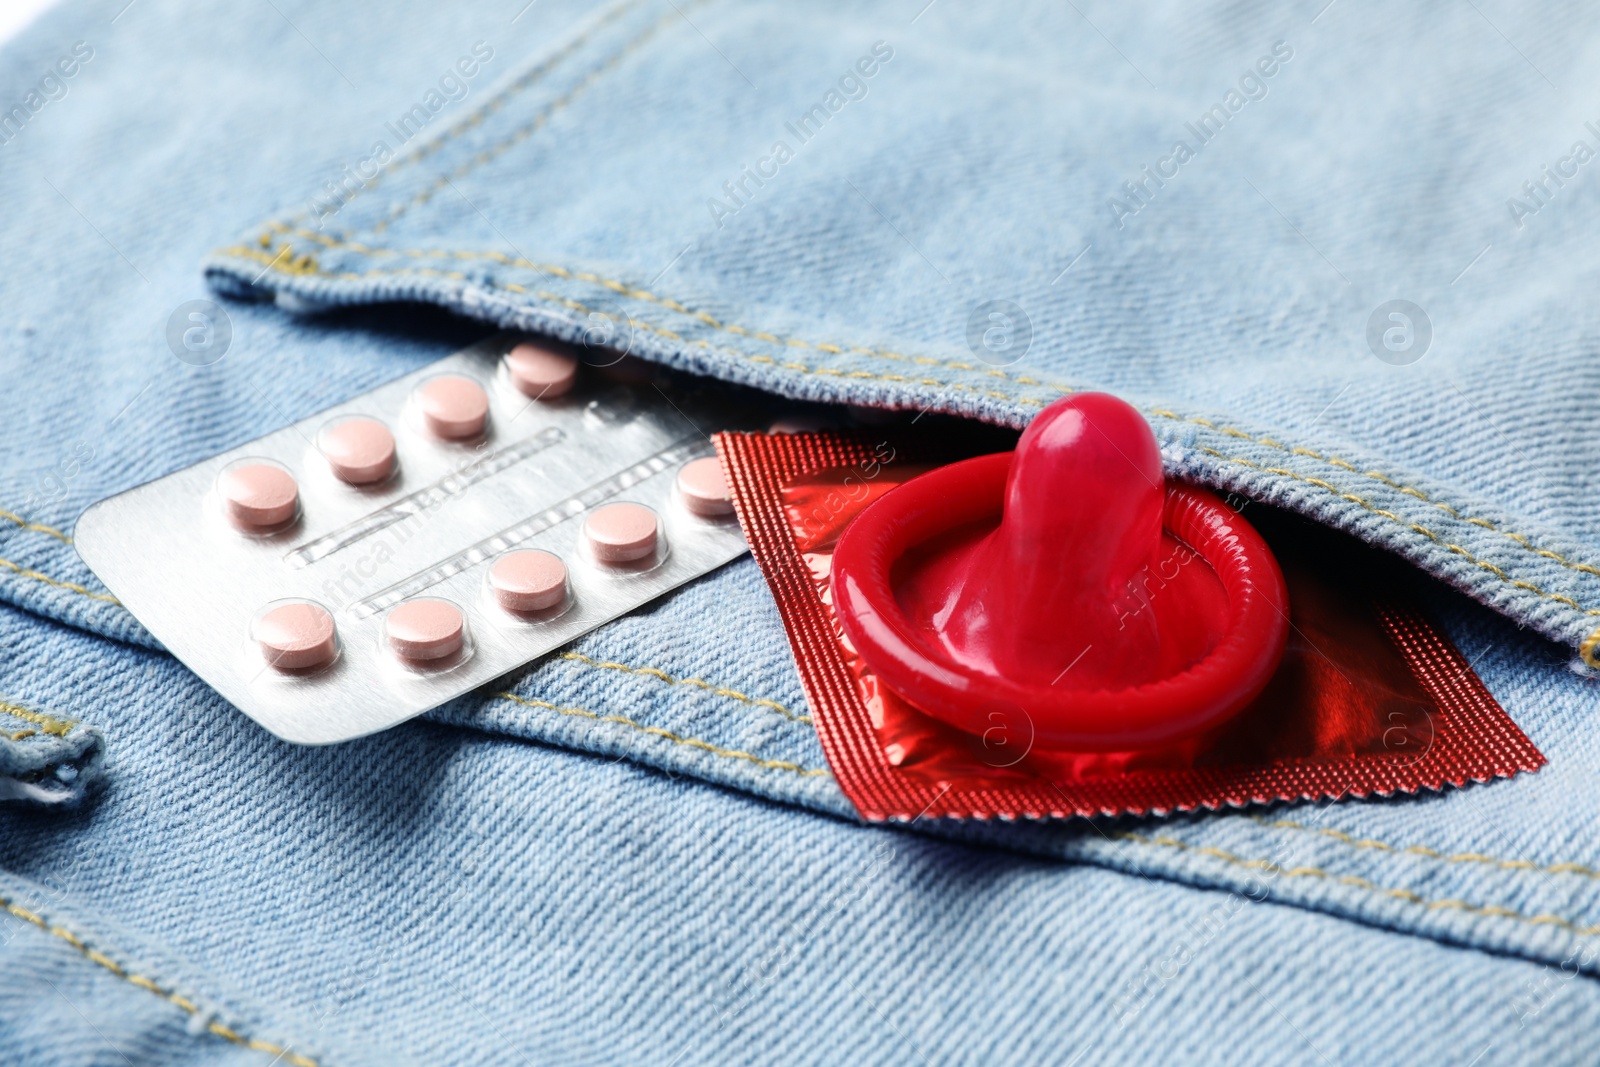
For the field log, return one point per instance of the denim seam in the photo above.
(37, 527)
(1431, 535)
(1519, 865)
(499, 99)
(624, 289)
(1424, 850)
(60, 727)
(50, 724)
(1586, 650)
(638, 294)
(528, 129)
(1410, 896)
(1379, 476)
(70, 586)
(308, 265)
(698, 683)
(95, 956)
(679, 739)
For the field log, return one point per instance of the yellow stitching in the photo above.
(1361, 883)
(45, 578)
(1431, 535)
(496, 102)
(624, 289)
(36, 526)
(63, 932)
(48, 723)
(144, 983)
(21, 735)
(1586, 650)
(698, 683)
(499, 100)
(527, 130)
(673, 305)
(1423, 850)
(1379, 476)
(656, 731)
(101, 959)
(252, 254)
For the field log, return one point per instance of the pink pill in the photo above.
(258, 495)
(296, 637)
(621, 533)
(454, 408)
(529, 581)
(425, 630)
(704, 489)
(360, 451)
(541, 371)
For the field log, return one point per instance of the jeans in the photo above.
(634, 850)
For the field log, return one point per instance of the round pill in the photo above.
(425, 630)
(541, 371)
(621, 533)
(705, 490)
(454, 408)
(528, 581)
(296, 637)
(258, 495)
(360, 451)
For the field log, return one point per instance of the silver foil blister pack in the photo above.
(595, 477)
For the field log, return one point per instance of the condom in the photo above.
(1067, 579)
(1364, 695)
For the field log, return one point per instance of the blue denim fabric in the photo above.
(634, 850)
(46, 760)
(982, 159)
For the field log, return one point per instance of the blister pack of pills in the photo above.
(363, 565)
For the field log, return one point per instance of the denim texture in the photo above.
(633, 851)
(979, 163)
(439, 894)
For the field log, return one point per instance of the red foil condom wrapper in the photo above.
(1370, 697)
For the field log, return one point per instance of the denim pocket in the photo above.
(843, 205)
(938, 214)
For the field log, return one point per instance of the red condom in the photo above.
(1368, 695)
(1068, 580)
